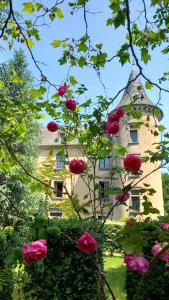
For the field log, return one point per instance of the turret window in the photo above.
(133, 134)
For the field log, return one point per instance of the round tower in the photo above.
(138, 136)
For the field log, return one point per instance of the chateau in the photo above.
(136, 140)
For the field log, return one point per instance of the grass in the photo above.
(115, 271)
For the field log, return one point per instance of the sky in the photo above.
(113, 75)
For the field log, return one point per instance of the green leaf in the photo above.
(56, 43)
(72, 80)
(82, 62)
(58, 12)
(30, 43)
(38, 6)
(119, 19)
(28, 7)
(109, 22)
(145, 56)
(148, 85)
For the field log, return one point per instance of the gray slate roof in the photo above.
(48, 138)
(135, 88)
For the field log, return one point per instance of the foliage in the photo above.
(165, 183)
(66, 272)
(156, 283)
(111, 231)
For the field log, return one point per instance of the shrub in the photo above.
(111, 232)
(66, 272)
(156, 285)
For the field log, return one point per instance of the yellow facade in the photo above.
(145, 140)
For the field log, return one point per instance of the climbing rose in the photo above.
(129, 223)
(156, 249)
(87, 243)
(137, 263)
(77, 166)
(123, 197)
(120, 112)
(62, 90)
(132, 163)
(112, 118)
(70, 104)
(34, 251)
(52, 126)
(113, 128)
(164, 226)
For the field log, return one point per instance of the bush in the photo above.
(156, 285)
(111, 232)
(66, 272)
(6, 274)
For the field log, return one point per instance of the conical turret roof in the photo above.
(135, 88)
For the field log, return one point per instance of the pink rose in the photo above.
(137, 263)
(77, 166)
(34, 251)
(52, 126)
(62, 90)
(156, 249)
(87, 243)
(113, 128)
(164, 226)
(70, 104)
(112, 118)
(120, 112)
(132, 163)
(129, 223)
(123, 197)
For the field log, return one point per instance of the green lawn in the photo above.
(114, 267)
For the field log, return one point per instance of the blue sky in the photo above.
(114, 75)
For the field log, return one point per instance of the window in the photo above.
(58, 186)
(135, 200)
(133, 134)
(55, 213)
(62, 137)
(103, 185)
(104, 163)
(60, 162)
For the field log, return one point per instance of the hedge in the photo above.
(111, 234)
(66, 272)
(156, 286)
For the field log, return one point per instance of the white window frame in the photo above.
(59, 159)
(135, 195)
(54, 196)
(132, 128)
(104, 160)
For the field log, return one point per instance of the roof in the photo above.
(48, 138)
(135, 87)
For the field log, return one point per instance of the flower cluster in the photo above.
(69, 104)
(113, 125)
(155, 251)
(137, 263)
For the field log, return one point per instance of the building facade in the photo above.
(136, 139)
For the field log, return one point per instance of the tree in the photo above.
(165, 181)
(144, 34)
(16, 199)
